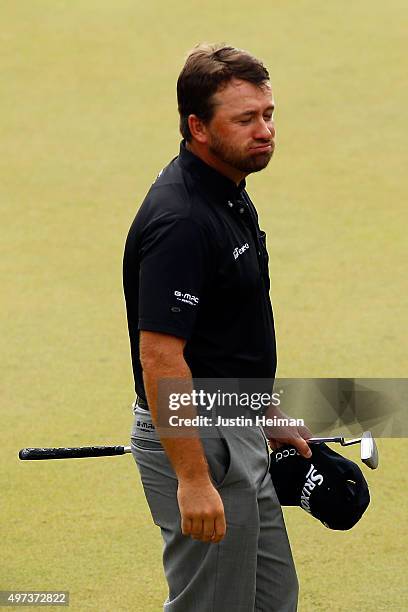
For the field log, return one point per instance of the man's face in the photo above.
(241, 132)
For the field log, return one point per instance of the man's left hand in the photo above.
(287, 434)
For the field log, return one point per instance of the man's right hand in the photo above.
(202, 511)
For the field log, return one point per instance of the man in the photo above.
(197, 294)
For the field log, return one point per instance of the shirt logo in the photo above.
(187, 298)
(313, 478)
(239, 250)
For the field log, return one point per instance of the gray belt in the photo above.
(143, 427)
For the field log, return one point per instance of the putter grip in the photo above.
(27, 454)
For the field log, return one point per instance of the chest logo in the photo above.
(239, 250)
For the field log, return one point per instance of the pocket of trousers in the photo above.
(216, 450)
(218, 457)
(150, 445)
(268, 449)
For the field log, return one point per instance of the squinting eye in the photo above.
(268, 117)
(245, 121)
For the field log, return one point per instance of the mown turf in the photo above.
(88, 119)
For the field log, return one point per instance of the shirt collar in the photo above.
(213, 180)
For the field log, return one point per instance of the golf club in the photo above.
(30, 454)
(368, 450)
(368, 447)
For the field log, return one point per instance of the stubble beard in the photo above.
(232, 156)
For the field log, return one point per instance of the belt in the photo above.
(141, 403)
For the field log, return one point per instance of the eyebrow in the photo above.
(251, 113)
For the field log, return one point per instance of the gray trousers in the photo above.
(251, 569)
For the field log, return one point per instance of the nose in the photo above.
(265, 129)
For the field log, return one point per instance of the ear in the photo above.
(197, 128)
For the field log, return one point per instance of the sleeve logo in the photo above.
(187, 298)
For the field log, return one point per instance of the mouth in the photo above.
(264, 148)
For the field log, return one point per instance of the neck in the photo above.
(211, 160)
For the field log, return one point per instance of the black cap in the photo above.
(328, 486)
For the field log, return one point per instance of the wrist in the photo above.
(195, 479)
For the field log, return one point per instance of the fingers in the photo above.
(203, 530)
(295, 436)
(220, 528)
(186, 525)
(192, 528)
(302, 447)
(207, 530)
(197, 528)
(305, 432)
(298, 442)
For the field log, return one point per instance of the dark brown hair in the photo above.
(209, 68)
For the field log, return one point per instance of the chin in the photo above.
(260, 161)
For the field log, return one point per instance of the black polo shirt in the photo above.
(196, 266)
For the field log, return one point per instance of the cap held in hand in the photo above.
(328, 486)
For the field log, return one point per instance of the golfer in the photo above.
(196, 285)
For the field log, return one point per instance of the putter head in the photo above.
(368, 450)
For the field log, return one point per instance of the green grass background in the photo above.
(88, 118)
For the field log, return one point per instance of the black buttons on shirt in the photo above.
(242, 207)
(239, 203)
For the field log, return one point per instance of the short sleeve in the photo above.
(175, 266)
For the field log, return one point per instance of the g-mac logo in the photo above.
(187, 298)
(239, 250)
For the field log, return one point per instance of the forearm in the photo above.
(186, 452)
